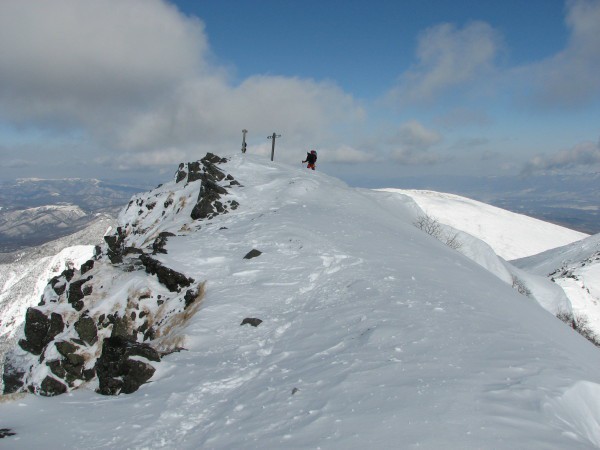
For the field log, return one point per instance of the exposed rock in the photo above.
(173, 280)
(195, 172)
(87, 266)
(117, 373)
(213, 159)
(253, 254)
(51, 387)
(12, 376)
(192, 295)
(158, 246)
(252, 321)
(86, 329)
(37, 329)
(65, 348)
(5, 432)
(115, 246)
(75, 293)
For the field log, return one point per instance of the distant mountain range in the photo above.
(34, 211)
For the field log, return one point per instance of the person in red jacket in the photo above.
(311, 159)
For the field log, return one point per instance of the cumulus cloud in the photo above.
(448, 57)
(570, 78)
(135, 78)
(411, 143)
(75, 61)
(585, 154)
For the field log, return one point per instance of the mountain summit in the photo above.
(247, 304)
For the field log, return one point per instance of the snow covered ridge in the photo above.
(576, 269)
(511, 235)
(373, 333)
(107, 321)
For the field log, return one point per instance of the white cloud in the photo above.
(133, 77)
(412, 142)
(414, 135)
(585, 154)
(77, 61)
(448, 57)
(571, 77)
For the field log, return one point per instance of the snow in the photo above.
(511, 235)
(374, 335)
(576, 269)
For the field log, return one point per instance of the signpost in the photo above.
(274, 136)
(244, 140)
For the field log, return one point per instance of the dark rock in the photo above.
(213, 159)
(115, 246)
(37, 326)
(135, 374)
(65, 348)
(253, 254)
(57, 368)
(191, 296)
(5, 432)
(195, 172)
(120, 326)
(213, 171)
(75, 293)
(234, 205)
(88, 374)
(173, 280)
(59, 285)
(51, 387)
(117, 373)
(56, 326)
(87, 290)
(86, 329)
(252, 321)
(97, 252)
(12, 375)
(87, 266)
(150, 206)
(181, 174)
(158, 246)
(68, 274)
(132, 250)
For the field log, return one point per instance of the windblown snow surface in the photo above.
(511, 235)
(374, 335)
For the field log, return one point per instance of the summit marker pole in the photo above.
(274, 136)
(244, 131)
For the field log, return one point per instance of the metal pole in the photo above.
(244, 140)
(274, 136)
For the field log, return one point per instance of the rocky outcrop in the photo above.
(117, 372)
(115, 245)
(40, 330)
(84, 329)
(173, 280)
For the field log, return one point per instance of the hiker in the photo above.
(311, 159)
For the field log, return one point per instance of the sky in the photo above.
(128, 89)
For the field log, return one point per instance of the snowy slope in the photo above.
(24, 274)
(511, 235)
(374, 335)
(575, 268)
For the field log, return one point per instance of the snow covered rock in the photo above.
(108, 320)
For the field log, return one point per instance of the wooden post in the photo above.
(244, 140)
(274, 136)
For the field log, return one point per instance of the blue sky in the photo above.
(382, 89)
